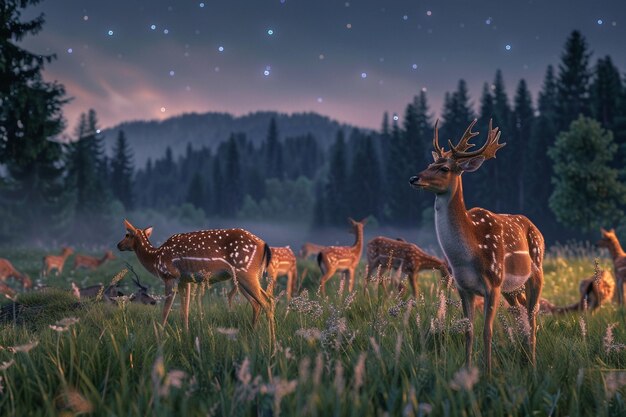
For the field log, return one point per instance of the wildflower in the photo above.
(279, 388)
(613, 381)
(311, 334)
(6, 365)
(441, 310)
(461, 326)
(359, 372)
(303, 369)
(23, 348)
(339, 381)
(230, 333)
(64, 325)
(336, 331)
(342, 282)
(75, 401)
(349, 300)
(248, 387)
(302, 304)
(464, 379)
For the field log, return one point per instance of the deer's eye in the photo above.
(444, 168)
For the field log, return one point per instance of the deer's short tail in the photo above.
(267, 258)
(319, 262)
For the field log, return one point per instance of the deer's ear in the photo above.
(613, 231)
(603, 231)
(148, 231)
(472, 164)
(129, 227)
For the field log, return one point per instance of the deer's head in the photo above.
(608, 239)
(141, 295)
(357, 226)
(444, 174)
(108, 255)
(67, 251)
(133, 237)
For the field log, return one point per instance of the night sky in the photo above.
(350, 60)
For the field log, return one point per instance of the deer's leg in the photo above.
(291, 283)
(329, 273)
(533, 293)
(413, 275)
(185, 297)
(256, 307)
(351, 273)
(252, 286)
(169, 299)
(467, 301)
(492, 297)
(271, 278)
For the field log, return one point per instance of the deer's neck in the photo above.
(147, 254)
(616, 250)
(452, 222)
(358, 242)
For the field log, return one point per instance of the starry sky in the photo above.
(350, 60)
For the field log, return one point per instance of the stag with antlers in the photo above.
(609, 241)
(343, 259)
(90, 262)
(400, 254)
(488, 253)
(214, 255)
(7, 270)
(56, 262)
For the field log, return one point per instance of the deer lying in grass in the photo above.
(488, 253)
(111, 292)
(91, 262)
(383, 252)
(310, 249)
(594, 291)
(212, 255)
(342, 259)
(55, 262)
(7, 270)
(609, 241)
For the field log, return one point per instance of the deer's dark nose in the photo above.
(414, 179)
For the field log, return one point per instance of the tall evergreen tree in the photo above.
(365, 181)
(523, 116)
(122, 171)
(30, 116)
(273, 152)
(606, 91)
(457, 112)
(573, 81)
(504, 173)
(336, 194)
(196, 192)
(232, 191)
(401, 199)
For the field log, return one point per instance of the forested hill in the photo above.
(148, 139)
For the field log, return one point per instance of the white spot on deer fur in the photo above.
(482, 220)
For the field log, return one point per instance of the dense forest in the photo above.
(563, 165)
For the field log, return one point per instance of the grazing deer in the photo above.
(55, 262)
(283, 263)
(399, 254)
(7, 270)
(609, 241)
(343, 259)
(594, 291)
(488, 253)
(215, 255)
(310, 249)
(111, 292)
(90, 262)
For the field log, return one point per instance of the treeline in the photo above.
(562, 166)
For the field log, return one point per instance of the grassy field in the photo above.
(349, 354)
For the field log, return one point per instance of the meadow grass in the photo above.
(356, 354)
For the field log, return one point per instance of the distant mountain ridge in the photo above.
(149, 139)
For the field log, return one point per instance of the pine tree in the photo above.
(335, 195)
(232, 191)
(196, 192)
(30, 116)
(538, 165)
(273, 152)
(218, 196)
(122, 171)
(573, 81)
(365, 181)
(587, 193)
(398, 171)
(606, 91)
(523, 117)
(503, 173)
(457, 113)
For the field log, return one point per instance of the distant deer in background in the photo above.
(399, 254)
(343, 259)
(91, 262)
(310, 249)
(7, 270)
(609, 241)
(55, 262)
(112, 291)
(488, 253)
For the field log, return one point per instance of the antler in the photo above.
(487, 151)
(136, 277)
(464, 144)
(438, 149)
